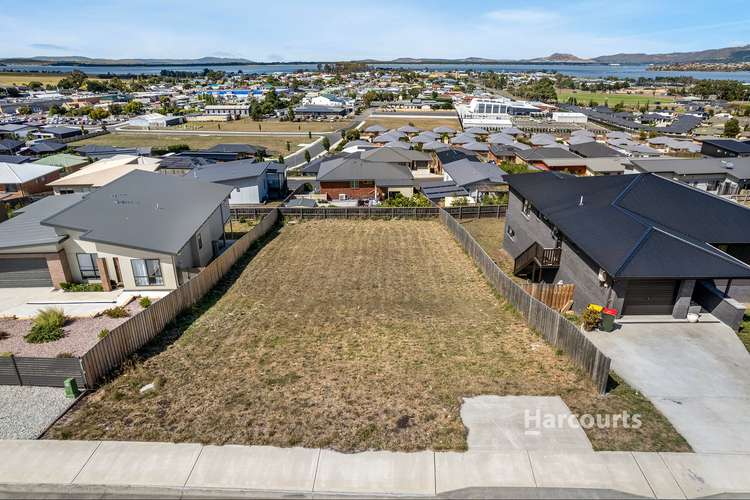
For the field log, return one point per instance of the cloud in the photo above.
(49, 46)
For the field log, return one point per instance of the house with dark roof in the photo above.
(356, 179)
(419, 162)
(143, 231)
(99, 152)
(536, 156)
(251, 182)
(716, 175)
(725, 148)
(641, 244)
(445, 156)
(44, 148)
(593, 149)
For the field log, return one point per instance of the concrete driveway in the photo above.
(24, 303)
(697, 375)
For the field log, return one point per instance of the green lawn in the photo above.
(275, 145)
(612, 99)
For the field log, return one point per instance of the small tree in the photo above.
(731, 128)
(288, 146)
(281, 159)
(326, 143)
(307, 156)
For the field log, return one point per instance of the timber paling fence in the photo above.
(462, 212)
(128, 337)
(553, 326)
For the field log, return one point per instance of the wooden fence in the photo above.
(134, 333)
(556, 329)
(555, 296)
(46, 372)
(462, 212)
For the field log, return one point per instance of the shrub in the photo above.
(144, 302)
(81, 287)
(65, 355)
(47, 326)
(591, 319)
(6, 354)
(116, 312)
(103, 333)
(4, 335)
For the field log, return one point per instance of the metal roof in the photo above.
(353, 169)
(466, 172)
(543, 153)
(144, 210)
(394, 155)
(738, 168)
(20, 173)
(594, 150)
(229, 171)
(24, 229)
(641, 226)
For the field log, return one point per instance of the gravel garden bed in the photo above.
(80, 335)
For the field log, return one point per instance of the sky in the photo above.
(334, 30)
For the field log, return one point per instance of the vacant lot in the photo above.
(611, 98)
(489, 234)
(248, 125)
(19, 78)
(422, 123)
(351, 335)
(274, 144)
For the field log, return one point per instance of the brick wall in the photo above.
(59, 270)
(333, 189)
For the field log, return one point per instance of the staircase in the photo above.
(542, 258)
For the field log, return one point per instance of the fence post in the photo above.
(15, 369)
(460, 212)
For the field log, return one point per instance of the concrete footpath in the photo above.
(100, 468)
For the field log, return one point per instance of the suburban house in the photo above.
(102, 172)
(593, 149)
(715, 175)
(226, 152)
(584, 166)
(640, 244)
(251, 182)
(154, 120)
(68, 162)
(536, 156)
(445, 156)
(180, 165)
(421, 164)
(355, 179)
(40, 148)
(10, 146)
(22, 180)
(477, 178)
(725, 148)
(59, 133)
(143, 231)
(98, 152)
(316, 111)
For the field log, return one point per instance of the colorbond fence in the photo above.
(112, 350)
(556, 329)
(46, 372)
(462, 212)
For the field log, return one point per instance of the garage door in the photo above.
(650, 297)
(18, 273)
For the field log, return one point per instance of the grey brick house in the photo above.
(641, 244)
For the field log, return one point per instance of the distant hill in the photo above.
(725, 55)
(560, 58)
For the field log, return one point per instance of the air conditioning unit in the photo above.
(342, 196)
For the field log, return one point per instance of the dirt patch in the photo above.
(80, 335)
(351, 335)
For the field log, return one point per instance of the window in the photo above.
(510, 232)
(200, 241)
(87, 265)
(354, 184)
(147, 272)
(526, 208)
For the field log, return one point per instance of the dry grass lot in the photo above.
(248, 125)
(18, 78)
(489, 234)
(274, 144)
(352, 335)
(422, 123)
